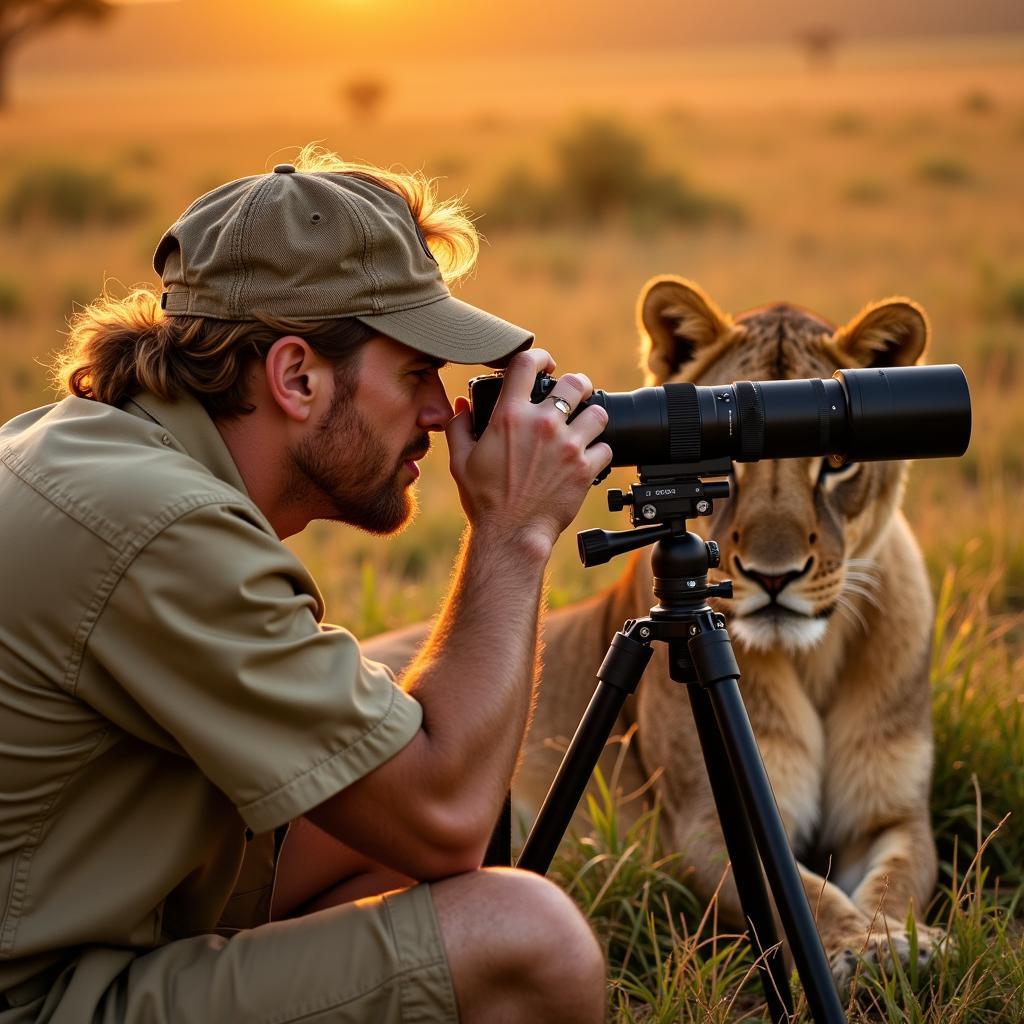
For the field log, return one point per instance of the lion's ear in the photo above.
(676, 320)
(893, 332)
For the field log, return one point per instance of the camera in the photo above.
(878, 413)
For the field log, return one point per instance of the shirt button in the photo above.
(165, 439)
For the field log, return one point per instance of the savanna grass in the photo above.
(978, 711)
(631, 890)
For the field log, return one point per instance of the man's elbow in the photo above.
(452, 842)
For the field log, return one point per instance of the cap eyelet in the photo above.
(315, 218)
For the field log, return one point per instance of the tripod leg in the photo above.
(746, 863)
(618, 677)
(717, 670)
(499, 849)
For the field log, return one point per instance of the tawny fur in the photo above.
(837, 688)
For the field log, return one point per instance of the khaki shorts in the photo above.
(376, 961)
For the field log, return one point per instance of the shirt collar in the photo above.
(190, 425)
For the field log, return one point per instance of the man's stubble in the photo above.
(347, 474)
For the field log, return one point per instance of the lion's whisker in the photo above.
(843, 604)
(863, 577)
(868, 566)
(871, 599)
(864, 587)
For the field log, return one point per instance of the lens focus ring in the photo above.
(750, 413)
(683, 422)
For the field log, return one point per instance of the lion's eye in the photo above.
(834, 470)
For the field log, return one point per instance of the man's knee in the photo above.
(512, 928)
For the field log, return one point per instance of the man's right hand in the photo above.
(527, 476)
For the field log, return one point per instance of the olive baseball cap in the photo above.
(320, 246)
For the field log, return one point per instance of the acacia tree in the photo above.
(819, 44)
(24, 19)
(364, 96)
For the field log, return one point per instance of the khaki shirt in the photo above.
(165, 683)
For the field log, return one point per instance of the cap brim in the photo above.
(453, 330)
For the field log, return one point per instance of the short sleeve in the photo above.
(212, 632)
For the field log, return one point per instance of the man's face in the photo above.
(358, 465)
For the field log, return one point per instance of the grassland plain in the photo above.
(889, 178)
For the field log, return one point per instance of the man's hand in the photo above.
(527, 476)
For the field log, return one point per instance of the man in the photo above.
(169, 700)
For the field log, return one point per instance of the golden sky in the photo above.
(190, 32)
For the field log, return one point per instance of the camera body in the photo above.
(484, 391)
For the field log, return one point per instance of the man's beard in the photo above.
(345, 473)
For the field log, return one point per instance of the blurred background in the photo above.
(814, 151)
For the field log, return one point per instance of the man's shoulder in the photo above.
(119, 475)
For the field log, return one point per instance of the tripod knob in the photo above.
(714, 555)
(617, 501)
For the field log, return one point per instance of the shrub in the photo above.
(23, 379)
(521, 200)
(364, 96)
(943, 170)
(12, 302)
(602, 169)
(603, 173)
(846, 122)
(997, 294)
(977, 101)
(71, 197)
(141, 156)
(1013, 298)
(865, 190)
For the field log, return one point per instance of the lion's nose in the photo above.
(774, 583)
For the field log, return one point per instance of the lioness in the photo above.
(831, 623)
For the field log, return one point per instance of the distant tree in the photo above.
(819, 44)
(364, 96)
(23, 19)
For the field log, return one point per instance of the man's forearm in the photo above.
(475, 675)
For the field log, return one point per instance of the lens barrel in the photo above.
(907, 412)
(901, 412)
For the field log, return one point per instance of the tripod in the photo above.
(701, 658)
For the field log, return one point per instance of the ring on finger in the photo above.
(562, 405)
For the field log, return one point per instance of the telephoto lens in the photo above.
(868, 415)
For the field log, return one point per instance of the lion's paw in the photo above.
(881, 947)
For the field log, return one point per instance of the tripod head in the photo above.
(665, 497)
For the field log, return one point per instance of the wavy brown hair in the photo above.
(119, 346)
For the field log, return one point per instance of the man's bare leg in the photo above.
(518, 949)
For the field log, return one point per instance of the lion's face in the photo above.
(797, 535)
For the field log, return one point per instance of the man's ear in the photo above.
(893, 332)
(677, 321)
(295, 374)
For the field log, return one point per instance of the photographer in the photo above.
(170, 701)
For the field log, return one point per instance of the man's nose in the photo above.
(436, 413)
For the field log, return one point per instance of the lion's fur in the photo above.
(840, 702)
